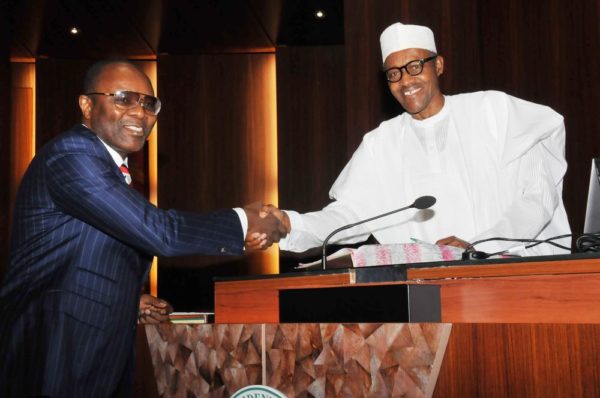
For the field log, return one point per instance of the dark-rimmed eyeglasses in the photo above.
(129, 99)
(413, 68)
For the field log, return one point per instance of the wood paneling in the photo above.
(22, 124)
(507, 267)
(312, 132)
(58, 84)
(214, 147)
(21, 134)
(541, 299)
(529, 360)
(311, 124)
(5, 158)
(204, 125)
(541, 292)
(258, 300)
(368, 102)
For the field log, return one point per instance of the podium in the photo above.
(509, 328)
(364, 303)
(525, 328)
(550, 289)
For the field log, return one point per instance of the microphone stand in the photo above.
(324, 255)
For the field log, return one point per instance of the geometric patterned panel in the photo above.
(300, 360)
(204, 360)
(352, 360)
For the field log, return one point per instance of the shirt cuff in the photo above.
(296, 222)
(243, 219)
(297, 225)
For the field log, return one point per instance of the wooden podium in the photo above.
(526, 328)
(553, 289)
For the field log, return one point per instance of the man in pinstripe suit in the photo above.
(82, 244)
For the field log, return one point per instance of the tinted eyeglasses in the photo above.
(129, 99)
(413, 68)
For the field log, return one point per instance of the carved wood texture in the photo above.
(301, 360)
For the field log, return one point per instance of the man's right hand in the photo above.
(281, 215)
(263, 228)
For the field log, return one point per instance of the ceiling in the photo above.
(146, 28)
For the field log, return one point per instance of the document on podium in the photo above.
(399, 253)
(191, 317)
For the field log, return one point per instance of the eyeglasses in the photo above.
(413, 68)
(129, 99)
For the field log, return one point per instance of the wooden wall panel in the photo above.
(528, 360)
(21, 136)
(212, 154)
(5, 106)
(311, 124)
(368, 102)
(22, 125)
(199, 148)
(59, 83)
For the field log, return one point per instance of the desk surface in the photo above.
(572, 263)
(550, 289)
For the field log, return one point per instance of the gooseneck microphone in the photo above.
(424, 202)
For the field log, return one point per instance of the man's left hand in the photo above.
(453, 241)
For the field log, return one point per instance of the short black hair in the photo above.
(94, 72)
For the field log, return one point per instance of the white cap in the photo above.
(398, 37)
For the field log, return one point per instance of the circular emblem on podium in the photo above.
(258, 391)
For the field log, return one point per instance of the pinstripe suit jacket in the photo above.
(82, 243)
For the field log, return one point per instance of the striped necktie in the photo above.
(126, 174)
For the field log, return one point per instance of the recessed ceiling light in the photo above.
(319, 14)
(74, 30)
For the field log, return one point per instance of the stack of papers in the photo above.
(399, 253)
(191, 317)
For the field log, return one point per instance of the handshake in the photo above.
(266, 225)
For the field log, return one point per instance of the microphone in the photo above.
(471, 254)
(424, 202)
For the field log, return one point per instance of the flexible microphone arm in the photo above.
(424, 202)
(471, 254)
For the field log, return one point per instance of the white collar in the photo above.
(443, 113)
(114, 154)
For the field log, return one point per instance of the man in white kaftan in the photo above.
(494, 162)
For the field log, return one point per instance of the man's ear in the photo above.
(439, 65)
(86, 105)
